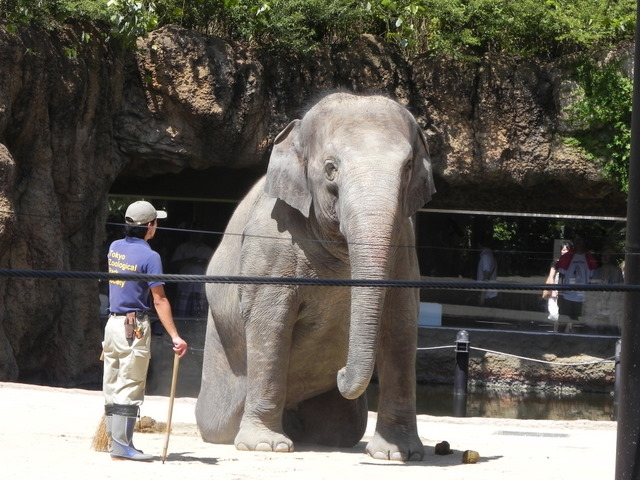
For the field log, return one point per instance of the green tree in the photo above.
(297, 25)
(602, 118)
(131, 20)
(463, 28)
(526, 27)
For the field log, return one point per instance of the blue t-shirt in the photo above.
(132, 255)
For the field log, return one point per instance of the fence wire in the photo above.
(528, 359)
(320, 282)
(546, 362)
(486, 350)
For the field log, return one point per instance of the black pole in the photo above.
(628, 446)
(461, 374)
(616, 379)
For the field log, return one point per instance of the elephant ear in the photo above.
(286, 174)
(421, 186)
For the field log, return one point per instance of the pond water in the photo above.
(438, 400)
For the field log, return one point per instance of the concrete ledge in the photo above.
(472, 312)
(489, 369)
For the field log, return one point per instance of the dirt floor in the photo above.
(47, 433)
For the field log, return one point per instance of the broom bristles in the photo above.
(101, 439)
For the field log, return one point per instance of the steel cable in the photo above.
(320, 282)
(595, 362)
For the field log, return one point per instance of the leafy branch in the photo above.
(601, 118)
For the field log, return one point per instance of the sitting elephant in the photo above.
(285, 363)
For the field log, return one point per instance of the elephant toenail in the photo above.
(380, 455)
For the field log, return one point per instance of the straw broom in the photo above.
(101, 439)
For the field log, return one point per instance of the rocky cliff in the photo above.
(77, 116)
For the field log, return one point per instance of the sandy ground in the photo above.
(47, 433)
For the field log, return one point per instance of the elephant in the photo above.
(290, 363)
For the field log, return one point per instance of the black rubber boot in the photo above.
(123, 421)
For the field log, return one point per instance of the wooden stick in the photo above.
(174, 378)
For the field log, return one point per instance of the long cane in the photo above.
(174, 378)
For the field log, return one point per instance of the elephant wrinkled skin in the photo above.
(291, 363)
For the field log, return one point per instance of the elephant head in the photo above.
(357, 167)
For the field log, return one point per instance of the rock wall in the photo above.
(76, 116)
(57, 161)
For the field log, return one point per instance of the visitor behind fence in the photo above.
(605, 308)
(127, 337)
(609, 271)
(191, 258)
(553, 278)
(487, 272)
(575, 268)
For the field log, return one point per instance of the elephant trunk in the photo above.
(369, 249)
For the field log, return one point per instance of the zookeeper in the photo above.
(127, 335)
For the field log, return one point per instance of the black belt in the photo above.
(139, 314)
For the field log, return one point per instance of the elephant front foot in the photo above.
(262, 440)
(404, 450)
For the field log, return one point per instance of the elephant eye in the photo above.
(408, 166)
(407, 169)
(330, 170)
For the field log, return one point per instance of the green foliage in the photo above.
(131, 19)
(86, 9)
(602, 118)
(504, 230)
(463, 28)
(23, 12)
(525, 27)
(207, 16)
(403, 21)
(296, 25)
(47, 12)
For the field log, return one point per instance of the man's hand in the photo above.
(179, 346)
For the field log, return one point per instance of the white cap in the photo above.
(141, 213)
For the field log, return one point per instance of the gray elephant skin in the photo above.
(290, 363)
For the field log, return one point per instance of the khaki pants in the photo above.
(125, 362)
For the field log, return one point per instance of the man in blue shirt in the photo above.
(127, 335)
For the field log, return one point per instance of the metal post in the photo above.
(628, 442)
(616, 379)
(461, 374)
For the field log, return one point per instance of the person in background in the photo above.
(487, 272)
(575, 268)
(608, 310)
(609, 272)
(554, 278)
(127, 337)
(191, 258)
